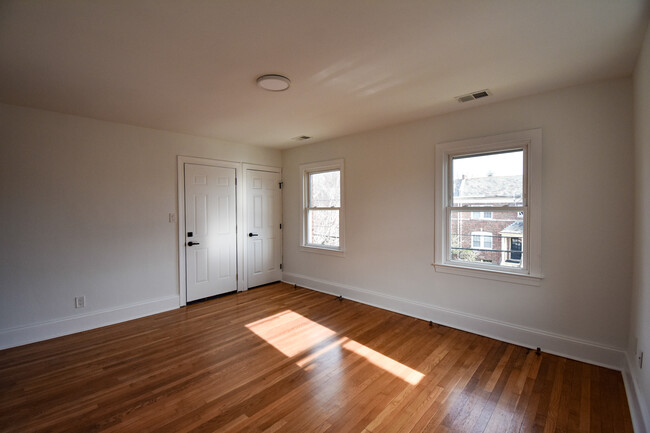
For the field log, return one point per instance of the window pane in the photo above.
(487, 241)
(515, 249)
(323, 227)
(325, 189)
(497, 241)
(494, 179)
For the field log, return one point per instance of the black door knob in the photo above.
(190, 243)
(250, 235)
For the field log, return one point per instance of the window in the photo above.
(482, 240)
(323, 208)
(481, 215)
(488, 207)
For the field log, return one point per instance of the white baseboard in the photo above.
(569, 347)
(639, 408)
(82, 322)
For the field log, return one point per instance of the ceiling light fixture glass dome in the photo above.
(273, 82)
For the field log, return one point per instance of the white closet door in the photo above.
(263, 219)
(210, 231)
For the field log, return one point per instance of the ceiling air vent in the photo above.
(474, 95)
(301, 138)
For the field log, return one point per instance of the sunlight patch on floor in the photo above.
(400, 370)
(290, 332)
(293, 334)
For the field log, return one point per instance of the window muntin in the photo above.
(524, 221)
(323, 206)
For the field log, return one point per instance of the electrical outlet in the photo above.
(80, 302)
(172, 217)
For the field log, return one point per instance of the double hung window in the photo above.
(323, 209)
(488, 207)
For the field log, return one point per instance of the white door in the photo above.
(210, 231)
(263, 219)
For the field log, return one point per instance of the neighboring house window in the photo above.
(482, 240)
(323, 208)
(482, 215)
(488, 207)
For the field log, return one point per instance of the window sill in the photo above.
(488, 274)
(320, 250)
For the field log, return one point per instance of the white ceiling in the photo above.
(190, 66)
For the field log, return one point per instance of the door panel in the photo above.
(263, 209)
(210, 224)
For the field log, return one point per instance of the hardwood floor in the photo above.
(279, 359)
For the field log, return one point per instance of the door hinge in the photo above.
(281, 184)
(280, 265)
(280, 226)
(235, 181)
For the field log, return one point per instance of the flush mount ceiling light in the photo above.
(273, 82)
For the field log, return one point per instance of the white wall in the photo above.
(85, 207)
(640, 323)
(580, 309)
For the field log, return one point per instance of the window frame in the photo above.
(530, 141)
(305, 171)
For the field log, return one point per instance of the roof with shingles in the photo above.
(490, 186)
(515, 227)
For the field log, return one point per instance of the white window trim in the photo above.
(314, 167)
(531, 141)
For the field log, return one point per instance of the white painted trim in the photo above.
(322, 250)
(182, 160)
(489, 274)
(557, 344)
(639, 408)
(254, 167)
(82, 322)
(334, 164)
(258, 167)
(531, 142)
